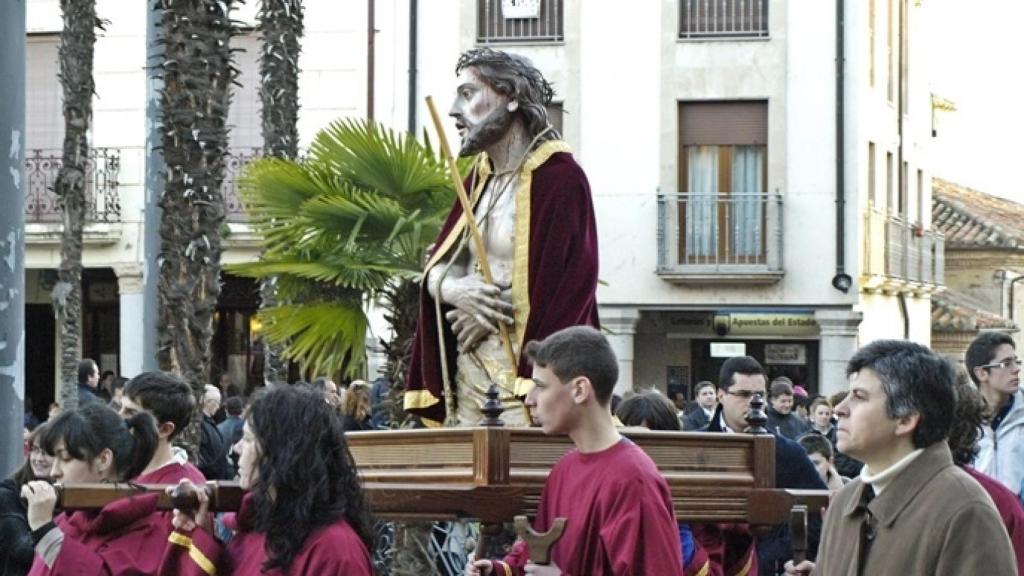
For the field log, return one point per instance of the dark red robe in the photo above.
(562, 272)
(125, 537)
(1010, 510)
(619, 517)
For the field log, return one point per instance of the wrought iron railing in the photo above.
(498, 23)
(912, 253)
(719, 232)
(723, 19)
(102, 200)
(234, 165)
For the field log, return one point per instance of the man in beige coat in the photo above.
(911, 511)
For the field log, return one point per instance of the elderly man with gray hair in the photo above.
(213, 448)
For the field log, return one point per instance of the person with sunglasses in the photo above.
(993, 365)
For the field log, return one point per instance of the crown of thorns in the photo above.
(517, 65)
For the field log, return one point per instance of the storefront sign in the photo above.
(728, 349)
(789, 354)
(772, 324)
(767, 324)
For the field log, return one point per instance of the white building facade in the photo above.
(708, 131)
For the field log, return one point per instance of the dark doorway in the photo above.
(101, 319)
(40, 357)
(234, 350)
(802, 369)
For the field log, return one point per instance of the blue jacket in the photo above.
(793, 469)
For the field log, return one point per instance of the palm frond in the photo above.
(324, 337)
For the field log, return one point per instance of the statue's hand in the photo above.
(478, 299)
(468, 331)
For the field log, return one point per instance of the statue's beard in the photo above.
(487, 132)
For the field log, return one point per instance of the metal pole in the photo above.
(371, 39)
(154, 189)
(12, 234)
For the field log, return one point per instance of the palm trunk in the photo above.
(76, 51)
(401, 303)
(281, 27)
(197, 74)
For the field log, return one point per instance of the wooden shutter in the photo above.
(737, 123)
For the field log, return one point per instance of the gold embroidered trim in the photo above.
(416, 399)
(194, 553)
(521, 260)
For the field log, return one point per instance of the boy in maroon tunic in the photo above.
(618, 507)
(169, 400)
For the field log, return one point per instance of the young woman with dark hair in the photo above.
(304, 513)
(94, 444)
(16, 547)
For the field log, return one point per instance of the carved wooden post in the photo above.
(756, 418)
(492, 408)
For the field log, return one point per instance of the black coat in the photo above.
(793, 469)
(695, 420)
(789, 425)
(213, 452)
(16, 548)
(846, 466)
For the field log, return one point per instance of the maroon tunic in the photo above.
(562, 283)
(332, 550)
(125, 537)
(1010, 510)
(619, 518)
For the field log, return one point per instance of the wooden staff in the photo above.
(540, 544)
(474, 231)
(224, 496)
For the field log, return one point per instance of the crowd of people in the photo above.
(933, 447)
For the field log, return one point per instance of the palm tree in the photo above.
(76, 50)
(346, 226)
(197, 74)
(281, 28)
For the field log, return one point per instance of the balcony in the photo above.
(899, 256)
(234, 166)
(713, 238)
(102, 202)
(511, 22)
(43, 214)
(726, 19)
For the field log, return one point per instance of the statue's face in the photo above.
(481, 114)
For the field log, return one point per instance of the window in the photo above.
(555, 111)
(526, 21)
(903, 208)
(723, 19)
(723, 166)
(888, 52)
(904, 56)
(872, 188)
(44, 99)
(871, 42)
(244, 121)
(921, 206)
(890, 197)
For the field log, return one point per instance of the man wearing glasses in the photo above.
(993, 365)
(739, 379)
